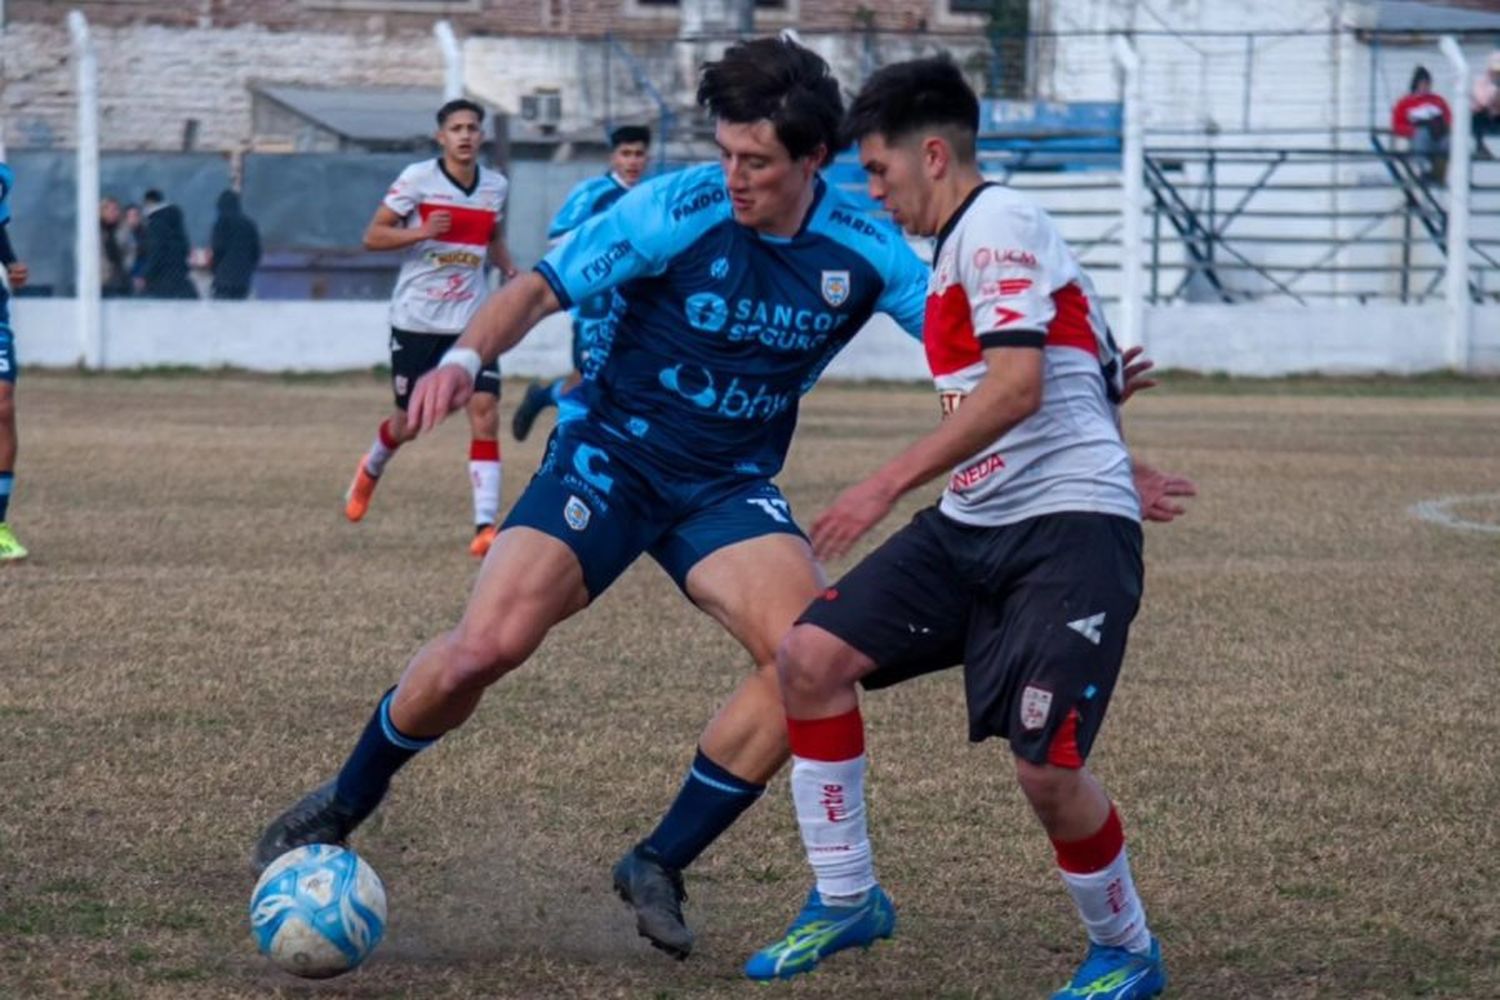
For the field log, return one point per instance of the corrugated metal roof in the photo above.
(364, 114)
(1432, 18)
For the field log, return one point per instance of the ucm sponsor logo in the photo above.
(736, 401)
(697, 203)
(598, 269)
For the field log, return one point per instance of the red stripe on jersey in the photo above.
(838, 737)
(948, 332)
(471, 226)
(1071, 326)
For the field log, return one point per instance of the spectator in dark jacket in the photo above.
(165, 264)
(235, 248)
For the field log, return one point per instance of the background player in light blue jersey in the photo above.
(594, 318)
(15, 272)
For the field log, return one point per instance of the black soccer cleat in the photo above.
(318, 818)
(538, 397)
(654, 890)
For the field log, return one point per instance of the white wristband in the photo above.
(465, 357)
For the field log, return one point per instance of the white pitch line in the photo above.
(1441, 512)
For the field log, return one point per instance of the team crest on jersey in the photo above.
(835, 287)
(576, 513)
(1036, 705)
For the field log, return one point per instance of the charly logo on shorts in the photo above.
(706, 311)
(1036, 705)
(576, 513)
(835, 287)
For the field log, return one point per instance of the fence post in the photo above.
(1460, 306)
(453, 61)
(1132, 177)
(86, 271)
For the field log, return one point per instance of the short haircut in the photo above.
(776, 80)
(906, 97)
(456, 105)
(1419, 76)
(629, 133)
(153, 197)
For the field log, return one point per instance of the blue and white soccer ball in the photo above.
(318, 911)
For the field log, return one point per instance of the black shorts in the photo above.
(1037, 611)
(415, 354)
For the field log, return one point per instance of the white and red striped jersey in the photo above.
(441, 283)
(1003, 276)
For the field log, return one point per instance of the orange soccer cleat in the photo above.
(484, 537)
(357, 497)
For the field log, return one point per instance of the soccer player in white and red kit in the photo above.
(1028, 571)
(445, 213)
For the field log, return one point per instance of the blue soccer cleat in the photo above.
(819, 931)
(1117, 974)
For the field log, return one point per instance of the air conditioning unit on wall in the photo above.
(543, 107)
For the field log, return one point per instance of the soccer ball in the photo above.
(318, 911)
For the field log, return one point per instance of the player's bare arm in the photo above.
(1010, 391)
(499, 325)
(500, 255)
(387, 231)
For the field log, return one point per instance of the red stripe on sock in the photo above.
(386, 437)
(1094, 852)
(839, 737)
(484, 451)
(1063, 752)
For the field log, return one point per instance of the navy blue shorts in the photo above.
(609, 504)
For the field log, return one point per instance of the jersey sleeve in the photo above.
(405, 194)
(1004, 266)
(7, 179)
(638, 236)
(905, 295)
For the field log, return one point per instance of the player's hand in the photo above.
(437, 394)
(1136, 368)
(17, 273)
(856, 511)
(1160, 492)
(437, 224)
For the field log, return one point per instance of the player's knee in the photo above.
(1049, 788)
(478, 659)
(807, 664)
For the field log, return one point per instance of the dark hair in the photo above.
(1418, 76)
(153, 197)
(455, 105)
(776, 80)
(629, 133)
(905, 97)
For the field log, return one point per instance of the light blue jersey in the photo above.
(725, 328)
(594, 318)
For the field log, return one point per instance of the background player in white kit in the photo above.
(1028, 571)
(445, 212)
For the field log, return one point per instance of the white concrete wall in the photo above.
(346, 336)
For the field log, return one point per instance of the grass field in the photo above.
(1304, 744)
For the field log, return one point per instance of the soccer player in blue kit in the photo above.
(595, 316)
(15, 272)
(742, 280)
